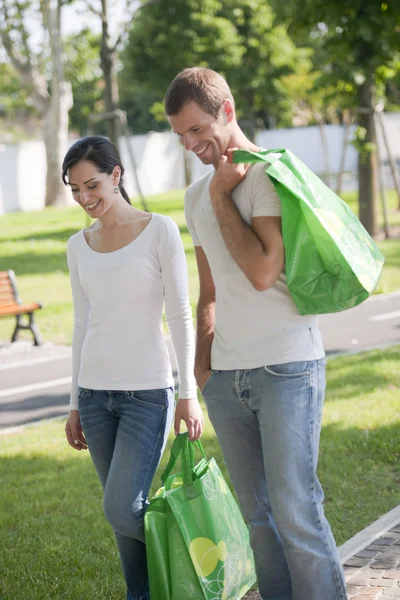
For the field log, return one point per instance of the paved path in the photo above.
(372, 573)
(372, 323)
(35, 382)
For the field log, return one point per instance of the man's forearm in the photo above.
(205, 333)
(241, 241)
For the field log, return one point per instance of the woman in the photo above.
(122, 268)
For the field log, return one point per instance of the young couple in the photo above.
(258, 363)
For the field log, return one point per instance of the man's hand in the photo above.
(202, 376)
(73, 431)
(227, 175)
(189, 410)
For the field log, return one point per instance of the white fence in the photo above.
(160, 161)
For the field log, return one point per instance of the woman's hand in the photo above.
(189, 410)
(73, 431)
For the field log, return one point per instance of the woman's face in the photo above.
(92, 190)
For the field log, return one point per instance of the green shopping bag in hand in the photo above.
(197, 543)
(331, 262)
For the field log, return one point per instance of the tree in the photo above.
(42, 73)
(235, 37)
(14, 101)
(360, 41)
(191, 34)
(107, 59)
(83, 70)
(269, 56)
(17, 113)
(108, 62)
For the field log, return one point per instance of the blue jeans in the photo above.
(268, 423)
(126, 434)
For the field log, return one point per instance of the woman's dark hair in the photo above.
(99, 151)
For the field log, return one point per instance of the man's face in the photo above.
(207, 136)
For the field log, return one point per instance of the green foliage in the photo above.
(364, 148)
(237, 38)
(82, 69)
(191, 34)
(15, 100)
(269, 56)
(356, 39)
(140, 105)
(16, 18)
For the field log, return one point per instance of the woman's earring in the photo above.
(116, 190)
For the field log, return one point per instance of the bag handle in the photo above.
(183, 449)
(249, 156)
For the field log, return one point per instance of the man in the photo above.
(259, 364)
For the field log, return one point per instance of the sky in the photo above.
(77, 16)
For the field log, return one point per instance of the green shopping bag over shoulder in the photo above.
(197, 543)
(331, 262)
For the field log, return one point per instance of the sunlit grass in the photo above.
(34, 246)
(56, 544)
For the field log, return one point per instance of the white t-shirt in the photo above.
(252, 328)
(118, 341)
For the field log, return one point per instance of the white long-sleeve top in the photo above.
(118, 297)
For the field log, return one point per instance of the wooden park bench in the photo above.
(12, 306)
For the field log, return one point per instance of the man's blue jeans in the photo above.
(268, 423)
(126, 434)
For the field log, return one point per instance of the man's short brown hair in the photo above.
(197, 84)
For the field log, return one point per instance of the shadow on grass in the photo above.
(347, 373)
(57, 545)
(30, 263)
(183, 229)
(61, 235)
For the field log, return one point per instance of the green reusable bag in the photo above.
(197, 543)
(331, 262)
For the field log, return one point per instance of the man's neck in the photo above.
(239, 140)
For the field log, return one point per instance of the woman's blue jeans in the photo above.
(126, 434)
(268, 423)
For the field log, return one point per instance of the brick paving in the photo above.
(372, 573)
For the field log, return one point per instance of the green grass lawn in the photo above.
(56, 545)
(34, 246)
(54, 541)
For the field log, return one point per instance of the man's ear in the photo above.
(228, 111)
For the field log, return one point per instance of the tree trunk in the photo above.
(53, 107)
(55, 132)
(55, 136)
(367, 161)
(111, 93)
(345, 144)
(325, 150)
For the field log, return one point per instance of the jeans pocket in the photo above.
(290, 370)
(208, 381)
(155, 398)
(82, 393)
